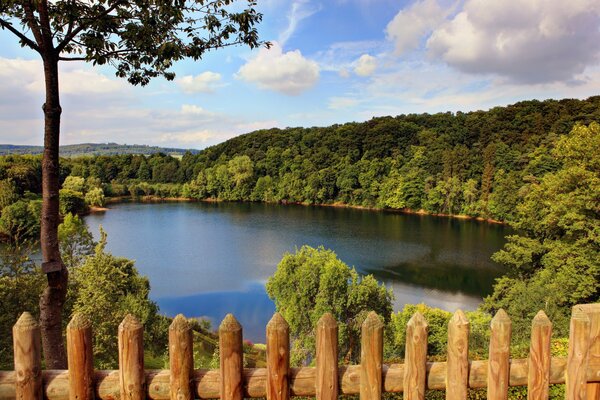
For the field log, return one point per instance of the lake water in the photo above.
(208, 259)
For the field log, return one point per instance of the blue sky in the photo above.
(332, 61)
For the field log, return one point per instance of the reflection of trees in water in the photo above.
(445, 277)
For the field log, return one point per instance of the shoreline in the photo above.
(408, 211)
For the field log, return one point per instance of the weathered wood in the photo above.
(538, 379)
(278, 359)
(231, 351)
(80, 358)
(28, 358)
(499, 356)
(132, 378)
(326, 382)
(371, 358)
(457, 366)
(415, 363)
(593, 313)
(579, 344)
(181, 359)
(302, 380)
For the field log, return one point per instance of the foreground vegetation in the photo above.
(531, 165)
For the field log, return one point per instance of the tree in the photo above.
(554, 258)
(141, 39)
(323, 283)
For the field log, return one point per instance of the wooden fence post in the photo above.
(371, 358)
(278, 359)
(538, 377)
(181, 359)
(132, 378)
(327, 386)
(593, 313)
(232, 362)
(457, 367)
(28, 358)
(415, 363)
(499, 357)
(80, 358)
(577, 363)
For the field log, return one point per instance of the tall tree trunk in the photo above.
(53, 297)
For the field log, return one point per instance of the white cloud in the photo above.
(365, 65)
(411, 24)
(206, 82)
(289, 73)
(524, 40)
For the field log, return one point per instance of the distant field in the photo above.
(95, 149)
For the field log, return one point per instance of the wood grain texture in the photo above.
(80, 359)
(326, 381)
(457, 366)
(538, 378)
(593, 313)
(499, 357)
(579, 344)
(27, 349)
(278, 358)
(181, 359)
(415, 363)
(132, 377)
(371, 358)
(232, 353)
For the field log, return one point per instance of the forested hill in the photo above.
(94, 149)
(524, 123)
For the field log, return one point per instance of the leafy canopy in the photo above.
(311, 282)
(140, 38)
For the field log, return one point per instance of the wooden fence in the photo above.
(580, 370)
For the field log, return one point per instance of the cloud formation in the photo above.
(206, 82)
(365, 65)
(411, 24)
(288, 73)
(300, 9)
(527, 41)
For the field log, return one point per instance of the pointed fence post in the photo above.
(327, 386)
(371, 358)
(457, 367)
(181, 359)
(80, 358)
(278, 359)
(132, 378)
(593, 313)
(538, 378)
(232, 359)
(415, 363)
(499, 357)
(28, 358)
(577, 362)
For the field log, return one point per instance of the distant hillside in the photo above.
(96, 149)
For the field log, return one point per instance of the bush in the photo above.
(95, 197)
(72, 202)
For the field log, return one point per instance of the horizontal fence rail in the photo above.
(327, 380)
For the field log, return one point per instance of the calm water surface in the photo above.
(208, 259)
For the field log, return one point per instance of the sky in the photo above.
(331, 61)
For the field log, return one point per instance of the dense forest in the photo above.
(465, 163)
(533, 165)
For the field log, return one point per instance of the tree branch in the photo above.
(33, 25)
(20, 35)
(74, 32)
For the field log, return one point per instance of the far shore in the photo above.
(156, 199)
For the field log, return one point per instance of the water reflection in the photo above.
(210, 259)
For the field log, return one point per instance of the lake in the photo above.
(208, 259)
